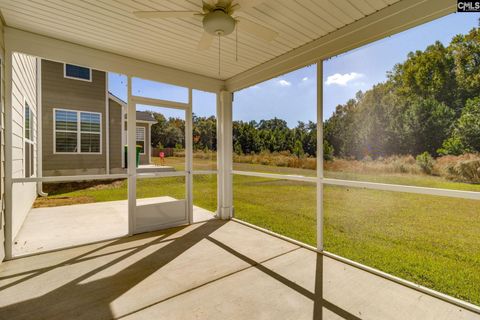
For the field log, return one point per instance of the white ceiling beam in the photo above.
(391, 20)
(62, 51)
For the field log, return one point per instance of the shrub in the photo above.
(425, 162)
(327, 151)
(391, 164)
(465, 171)
(464, 168)
(298, 149)
(452, 146)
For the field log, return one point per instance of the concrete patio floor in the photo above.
(52, 228)
(211, 270)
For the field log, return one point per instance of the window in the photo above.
(29, 168)
(66, 131)
(140, 137)
(76, 72)
(77, 131)
(90, 132)
(28, 122)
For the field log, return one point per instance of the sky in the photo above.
(204, 103)
(292, 97)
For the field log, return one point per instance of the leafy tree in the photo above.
(298, 149)
(425, 161)
(327, 151)
(427, 124)
(427, 74)
(452, 146)
(465, 50)
(422, 106)
(204, 133)
(466, 133)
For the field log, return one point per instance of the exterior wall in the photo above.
(60, 92)
(145, 158)
(24, 89)
(116, 148)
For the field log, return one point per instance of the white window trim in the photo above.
(144, 138)
(75, 78)
(78, 132)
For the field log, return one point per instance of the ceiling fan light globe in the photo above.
(218, 23)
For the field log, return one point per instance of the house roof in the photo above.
(141, 115)
(145, 116)
(116, 99)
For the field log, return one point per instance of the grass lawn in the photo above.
(430, 240)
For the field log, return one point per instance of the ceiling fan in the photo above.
(218, 20)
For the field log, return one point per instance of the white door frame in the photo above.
(133, 101)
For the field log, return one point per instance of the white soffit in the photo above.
(110, 26)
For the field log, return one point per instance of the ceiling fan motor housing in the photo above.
(218, 23)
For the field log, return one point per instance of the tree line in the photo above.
(248, 137)
(429, 103)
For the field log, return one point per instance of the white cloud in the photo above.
(343, 79)
(305, 79)
(284, 83)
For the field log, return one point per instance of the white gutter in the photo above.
(39, 129)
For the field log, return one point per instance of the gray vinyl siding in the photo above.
(63, 93)
(144, 158)
(115, 124)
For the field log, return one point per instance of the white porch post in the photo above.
(320, 156)
(224, 154)
(189, 156)
(132, 159)
(7, 125)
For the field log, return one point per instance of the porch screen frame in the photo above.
(321, 181)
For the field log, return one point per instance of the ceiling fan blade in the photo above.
(256, 29)
(205, 41)
(164, 14)
(246, 4)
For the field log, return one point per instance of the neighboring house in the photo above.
(82, 130)
(143, 131)
(60, 127)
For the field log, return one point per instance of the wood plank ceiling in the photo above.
(110, 25)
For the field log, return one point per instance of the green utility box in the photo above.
(139, 148)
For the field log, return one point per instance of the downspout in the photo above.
(107, 127)
(39, 129)
(124, 142)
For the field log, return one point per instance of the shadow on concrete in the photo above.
(316, 297)
(91, 300)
